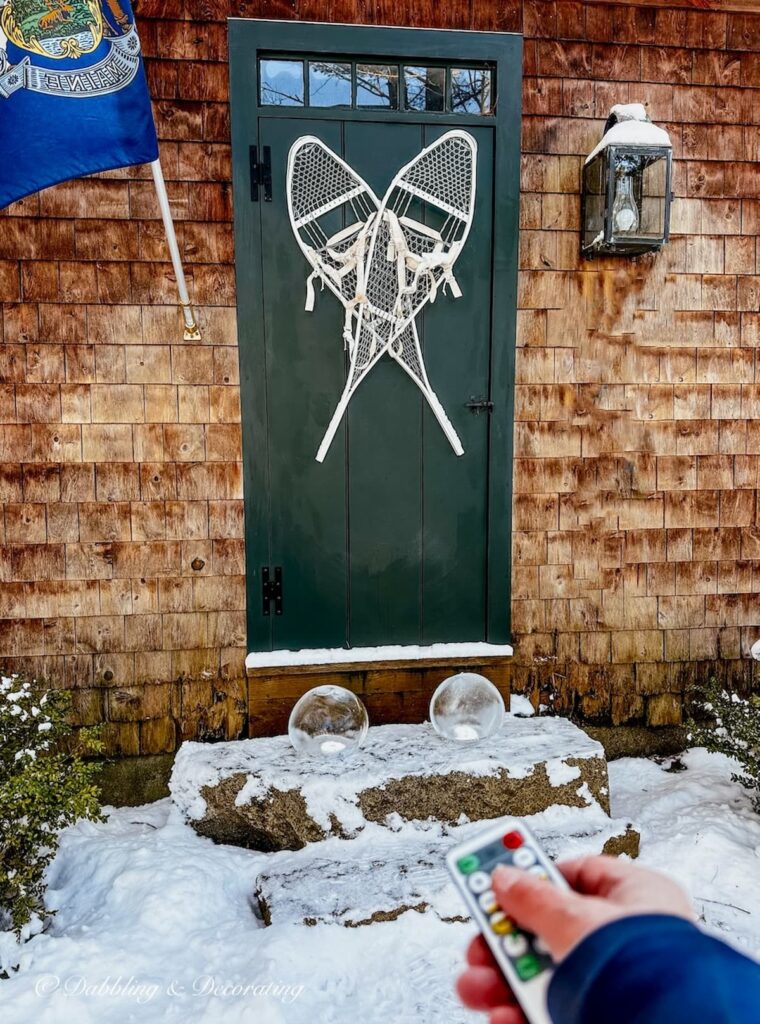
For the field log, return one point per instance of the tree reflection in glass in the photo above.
(471, 91)
(329, 84)
(282, 83)
(377, 86)
(424, 88)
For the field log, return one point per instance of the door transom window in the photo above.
(322, 82)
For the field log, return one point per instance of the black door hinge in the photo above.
(271, 590)
(479, 405)
(261, 173)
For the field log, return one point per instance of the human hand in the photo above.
(602, 890)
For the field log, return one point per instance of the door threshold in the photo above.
(475, 653)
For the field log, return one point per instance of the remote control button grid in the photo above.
(527, 954)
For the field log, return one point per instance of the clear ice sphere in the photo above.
(466, 708)
(328, 721)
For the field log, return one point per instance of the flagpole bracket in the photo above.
(192, 330)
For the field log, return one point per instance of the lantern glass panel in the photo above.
(626, 196)
(639, 195)
(654, 197)
(594, 194)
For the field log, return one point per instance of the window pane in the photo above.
(471, 90)
(329, 84)
(377, 85)
(424, 88)
(282, 83)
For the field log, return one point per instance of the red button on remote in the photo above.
(512, 840)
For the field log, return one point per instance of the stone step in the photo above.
(261, 794)
(383, 873)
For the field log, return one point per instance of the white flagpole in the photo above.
(192, 332)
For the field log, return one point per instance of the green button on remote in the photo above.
(468, 864)
(527, 967)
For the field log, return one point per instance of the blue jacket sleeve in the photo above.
(654, 969)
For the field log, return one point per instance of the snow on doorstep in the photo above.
(332, 787)
(354, 655)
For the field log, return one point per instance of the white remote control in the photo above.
(524, 960)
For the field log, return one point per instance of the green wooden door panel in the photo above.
(457, 349)
(385, 458)
(393, 539)
(305, 374)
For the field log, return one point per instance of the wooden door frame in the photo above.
(248, 40)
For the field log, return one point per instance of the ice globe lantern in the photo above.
(328, 721)
(466, 708)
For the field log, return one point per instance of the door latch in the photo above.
(261, 173)
(479, 405)
(271, 590)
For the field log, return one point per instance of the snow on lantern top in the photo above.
(626, 196)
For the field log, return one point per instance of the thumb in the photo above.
(536, 904)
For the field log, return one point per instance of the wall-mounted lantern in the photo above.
(625, 202)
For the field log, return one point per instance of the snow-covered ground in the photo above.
(698, 826)
(156, 924)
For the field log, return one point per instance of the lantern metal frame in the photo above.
(624, 244)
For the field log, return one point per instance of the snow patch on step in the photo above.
(329, 881)
(561, 773)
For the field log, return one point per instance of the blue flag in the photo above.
(73, 97)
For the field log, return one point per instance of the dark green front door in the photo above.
(393, 539)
